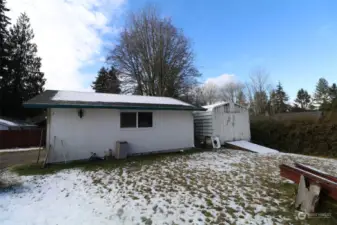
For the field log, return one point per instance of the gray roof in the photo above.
(73, 99)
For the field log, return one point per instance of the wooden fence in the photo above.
(22, 138)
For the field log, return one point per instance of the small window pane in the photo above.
(145, 119)
(128, 119)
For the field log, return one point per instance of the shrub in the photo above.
(296, 136)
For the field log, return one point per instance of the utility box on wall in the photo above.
(121, 149)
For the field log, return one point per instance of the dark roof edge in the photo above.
(183, 108)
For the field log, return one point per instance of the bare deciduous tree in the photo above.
(196, 96)
(241, 98)
(210, 93)
(257, 89)
(154, 57)
(231, 91)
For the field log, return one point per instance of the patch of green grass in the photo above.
(36, 169)
(134, 197)
(218, 208)
(146, 221)
(133, 161)
(96, 181)
(206, 213)
(230, 211)
(209, 202)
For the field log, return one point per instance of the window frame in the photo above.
(120, 120)
(151, 119)
(137, 120)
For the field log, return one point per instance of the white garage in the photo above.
(81, 123)
(226, 120)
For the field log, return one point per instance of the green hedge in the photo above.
(296, 137)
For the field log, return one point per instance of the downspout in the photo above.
(48, 143)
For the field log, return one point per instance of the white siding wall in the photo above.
(98, 130)
(241, 126)
(223, 126)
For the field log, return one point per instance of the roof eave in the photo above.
(43, 105)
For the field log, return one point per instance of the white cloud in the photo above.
(222, 79)
(102, 59)
(68, 34)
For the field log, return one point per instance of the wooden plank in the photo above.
(315, 171)
(292, 173)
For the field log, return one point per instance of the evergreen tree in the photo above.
(303, 99)
(333, 92)
(106, 81)
(321, 95)
(296, 108)
(4, 22)
(272, 102)
(332, 101)
(25, 78)
(278, 99)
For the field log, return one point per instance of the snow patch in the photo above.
(115, 98)
(223, 186)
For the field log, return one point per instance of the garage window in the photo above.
(128, 119)
(145, 119)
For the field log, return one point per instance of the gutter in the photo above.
(41, 105)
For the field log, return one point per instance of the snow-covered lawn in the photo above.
(219, 187)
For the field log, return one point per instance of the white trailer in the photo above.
(226, 120)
